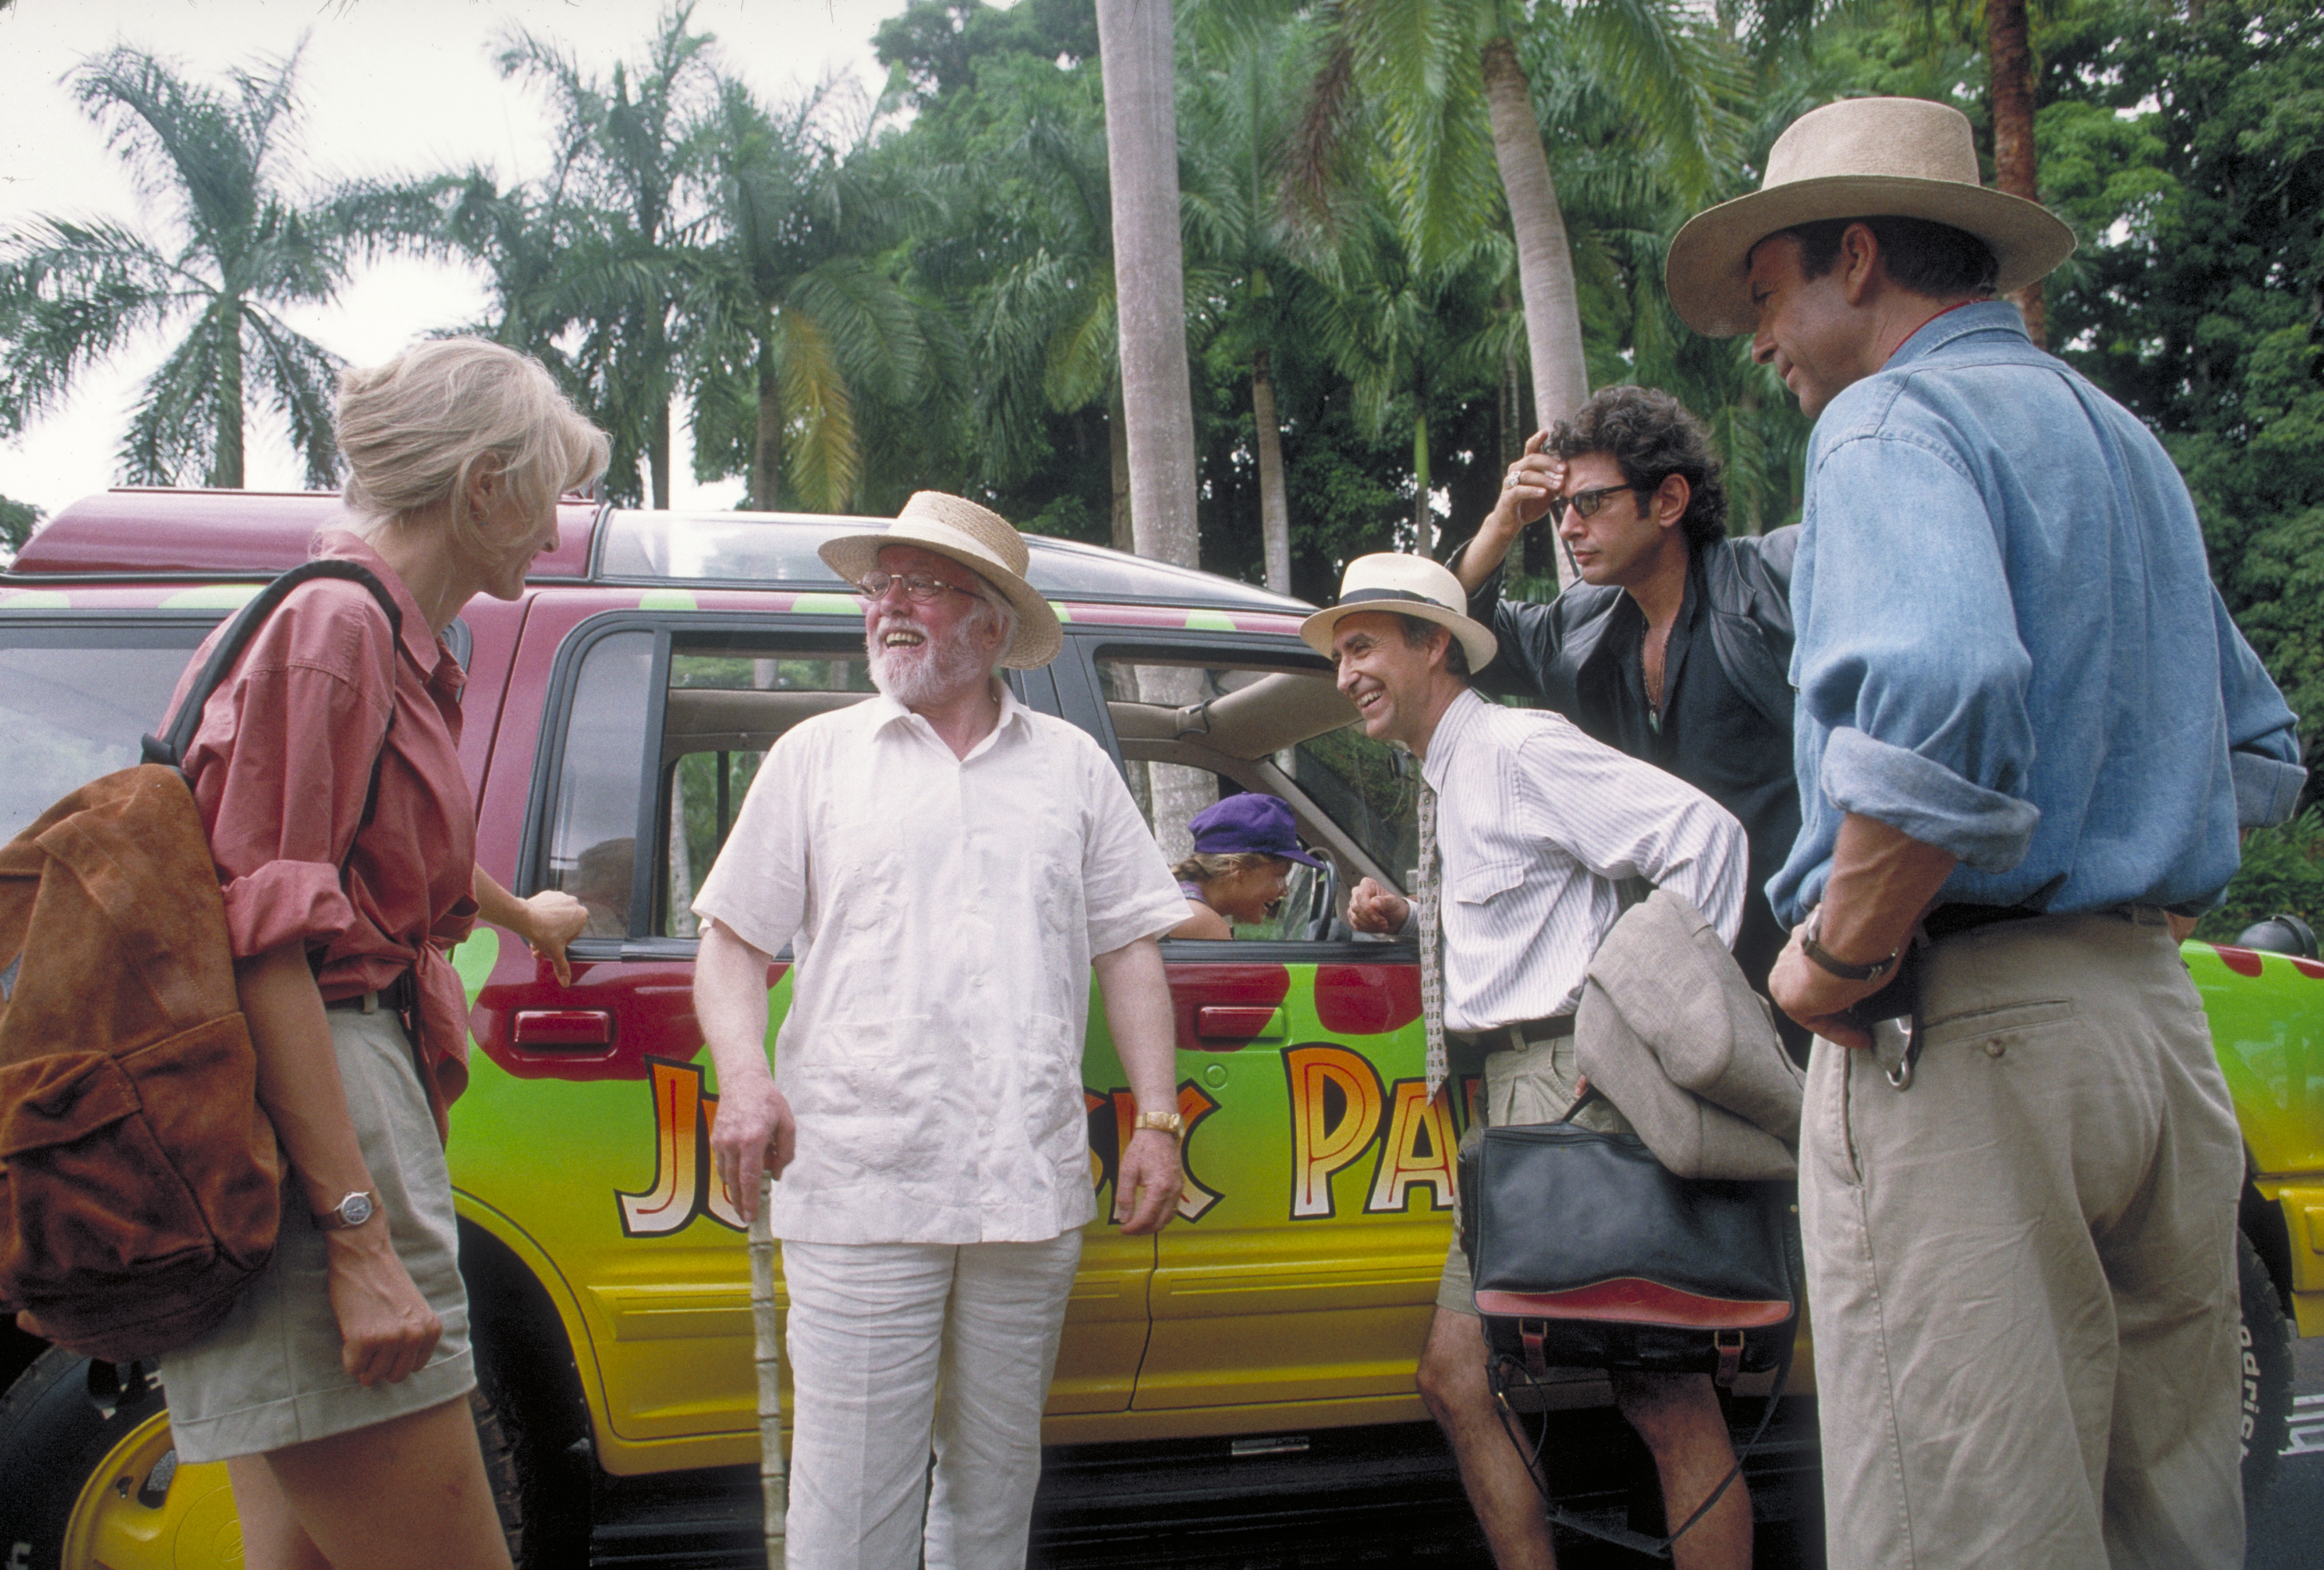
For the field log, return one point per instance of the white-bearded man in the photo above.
(948, 866)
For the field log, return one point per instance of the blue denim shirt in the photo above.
(2008, 642)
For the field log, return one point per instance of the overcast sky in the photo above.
(388, 86)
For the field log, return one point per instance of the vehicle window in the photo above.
(1194, 730)
(1369, 788)
(75, 701)
(726, 704)
(594, 821)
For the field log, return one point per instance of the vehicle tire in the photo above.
(2266, 1335)
(86, 1489)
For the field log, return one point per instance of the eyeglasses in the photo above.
(920, 587)
(1587, 503)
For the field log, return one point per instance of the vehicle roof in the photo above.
(143, 535)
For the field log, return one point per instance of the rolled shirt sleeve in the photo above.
(284, 802)
(1929, 735)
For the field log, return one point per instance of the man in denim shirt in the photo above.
(2026, 727)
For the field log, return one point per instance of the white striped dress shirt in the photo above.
(1536, 822)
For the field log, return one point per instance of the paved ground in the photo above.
(1430, 1525)
(2287, 1527)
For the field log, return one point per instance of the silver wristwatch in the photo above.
(352, 1211)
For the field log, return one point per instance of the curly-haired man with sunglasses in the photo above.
(1673, 646)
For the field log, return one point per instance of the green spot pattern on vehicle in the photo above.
(213, 596)
(827, 605)
(474, 958)
(666, 600)
(1063, 614)
(1210, 621)
(35, 600)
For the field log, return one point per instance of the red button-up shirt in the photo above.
(281, 767)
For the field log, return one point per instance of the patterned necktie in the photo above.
(1431, 955)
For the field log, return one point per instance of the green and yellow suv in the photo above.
(1257, 1353)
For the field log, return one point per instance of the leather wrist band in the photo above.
(1844, 969)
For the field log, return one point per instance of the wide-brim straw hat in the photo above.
(1857, 158)
(981, 541)
(1409, 586)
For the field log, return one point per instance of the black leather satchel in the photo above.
(1587, 1252)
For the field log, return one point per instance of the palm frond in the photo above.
(820, 457)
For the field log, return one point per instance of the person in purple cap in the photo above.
(1243, 850)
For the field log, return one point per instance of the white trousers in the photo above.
(895, 1347)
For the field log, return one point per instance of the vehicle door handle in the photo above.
(1238, 1022)
(564, 1029)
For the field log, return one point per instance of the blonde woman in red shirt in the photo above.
(336, 1391)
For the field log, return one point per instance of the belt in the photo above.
(1951, 920)
(1502, 1037)
(398, 996)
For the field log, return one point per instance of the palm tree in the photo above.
(1136, 56)
(1243, 101)
(243, 247)
(794, 314)
(1408, 334)
(1447, 78)
(627, 149)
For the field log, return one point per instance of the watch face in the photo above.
(356, 1209)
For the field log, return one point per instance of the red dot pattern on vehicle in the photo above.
(2242, 961)
(1366, 1000)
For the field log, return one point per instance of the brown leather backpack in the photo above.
(140, 1181)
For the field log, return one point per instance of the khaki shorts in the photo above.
(1533, 1083)
(270, 1375)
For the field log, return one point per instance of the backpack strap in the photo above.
(170, 748)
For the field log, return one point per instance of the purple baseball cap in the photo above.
(1252, 821)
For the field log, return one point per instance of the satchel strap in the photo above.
(171, 747)
(1497, 1373)
(1622, 1536)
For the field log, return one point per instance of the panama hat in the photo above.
(981, 541)
(1409, 586)
(1857, 158)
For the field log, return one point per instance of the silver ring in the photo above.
(1508, 482)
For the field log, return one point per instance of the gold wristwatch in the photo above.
(1169, 1123)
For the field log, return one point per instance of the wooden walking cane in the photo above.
(774, 1479)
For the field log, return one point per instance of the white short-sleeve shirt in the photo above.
(941, 913)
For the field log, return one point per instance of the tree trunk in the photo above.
(1561, 377)
(1137, 64)
(1117, 441)
(1424, 520)
(767, 442)
(2013, 172)
(226, 461)
(1274, 507)
(1512, 444)
(659, 455)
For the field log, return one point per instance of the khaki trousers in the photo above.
(2022, 1268)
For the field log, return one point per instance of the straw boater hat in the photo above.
(1857, 158)
(981, 541)
(1410, 586)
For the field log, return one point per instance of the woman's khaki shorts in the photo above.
(270, 1375)
(1531, 1083)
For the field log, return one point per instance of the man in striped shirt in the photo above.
(1532, 825)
